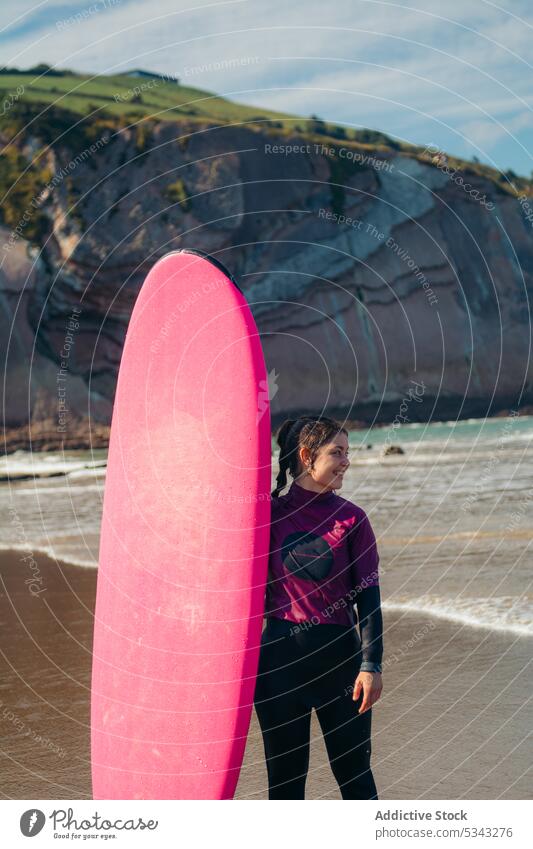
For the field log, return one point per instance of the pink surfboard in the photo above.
(184, 541)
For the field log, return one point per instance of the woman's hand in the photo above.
(371, 685)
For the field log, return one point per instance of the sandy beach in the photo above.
(452, 721)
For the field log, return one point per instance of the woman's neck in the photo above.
(307, 482)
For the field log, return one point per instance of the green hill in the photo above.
(154, 96)
(61, 106)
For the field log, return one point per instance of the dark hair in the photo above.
(310, 431)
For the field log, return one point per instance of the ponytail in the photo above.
(284, 457)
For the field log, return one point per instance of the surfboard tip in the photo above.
(214, 261)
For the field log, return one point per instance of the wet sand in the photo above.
(451, 723)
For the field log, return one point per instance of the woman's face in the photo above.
(330, 463)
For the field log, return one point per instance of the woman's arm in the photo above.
(368, 603)
(369, 682)
(365, 582)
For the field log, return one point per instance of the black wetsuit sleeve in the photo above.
(368, 602)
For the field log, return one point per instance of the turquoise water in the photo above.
(468, 430)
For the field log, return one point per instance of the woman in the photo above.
(323, 559)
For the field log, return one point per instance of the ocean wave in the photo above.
(88, 472)
(497, 613)
(53, 554)
(44, 490)
(28, 464)
(433, 458)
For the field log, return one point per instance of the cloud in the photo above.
(483, 134)
(454, 71)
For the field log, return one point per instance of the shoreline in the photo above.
(513, 629)
(43, 436)
(451, 722)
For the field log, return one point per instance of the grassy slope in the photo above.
(68, 97)
(85, 95)
(164, 100)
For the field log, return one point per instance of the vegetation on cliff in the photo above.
(62, 111)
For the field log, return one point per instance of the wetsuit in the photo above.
(323, 559)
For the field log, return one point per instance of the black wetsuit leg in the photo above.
(284, 717)
(347, 738)
(313, 666)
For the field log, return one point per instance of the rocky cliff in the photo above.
(369, 269)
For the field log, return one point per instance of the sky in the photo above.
(454, 74)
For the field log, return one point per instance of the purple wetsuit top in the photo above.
(322, 554)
